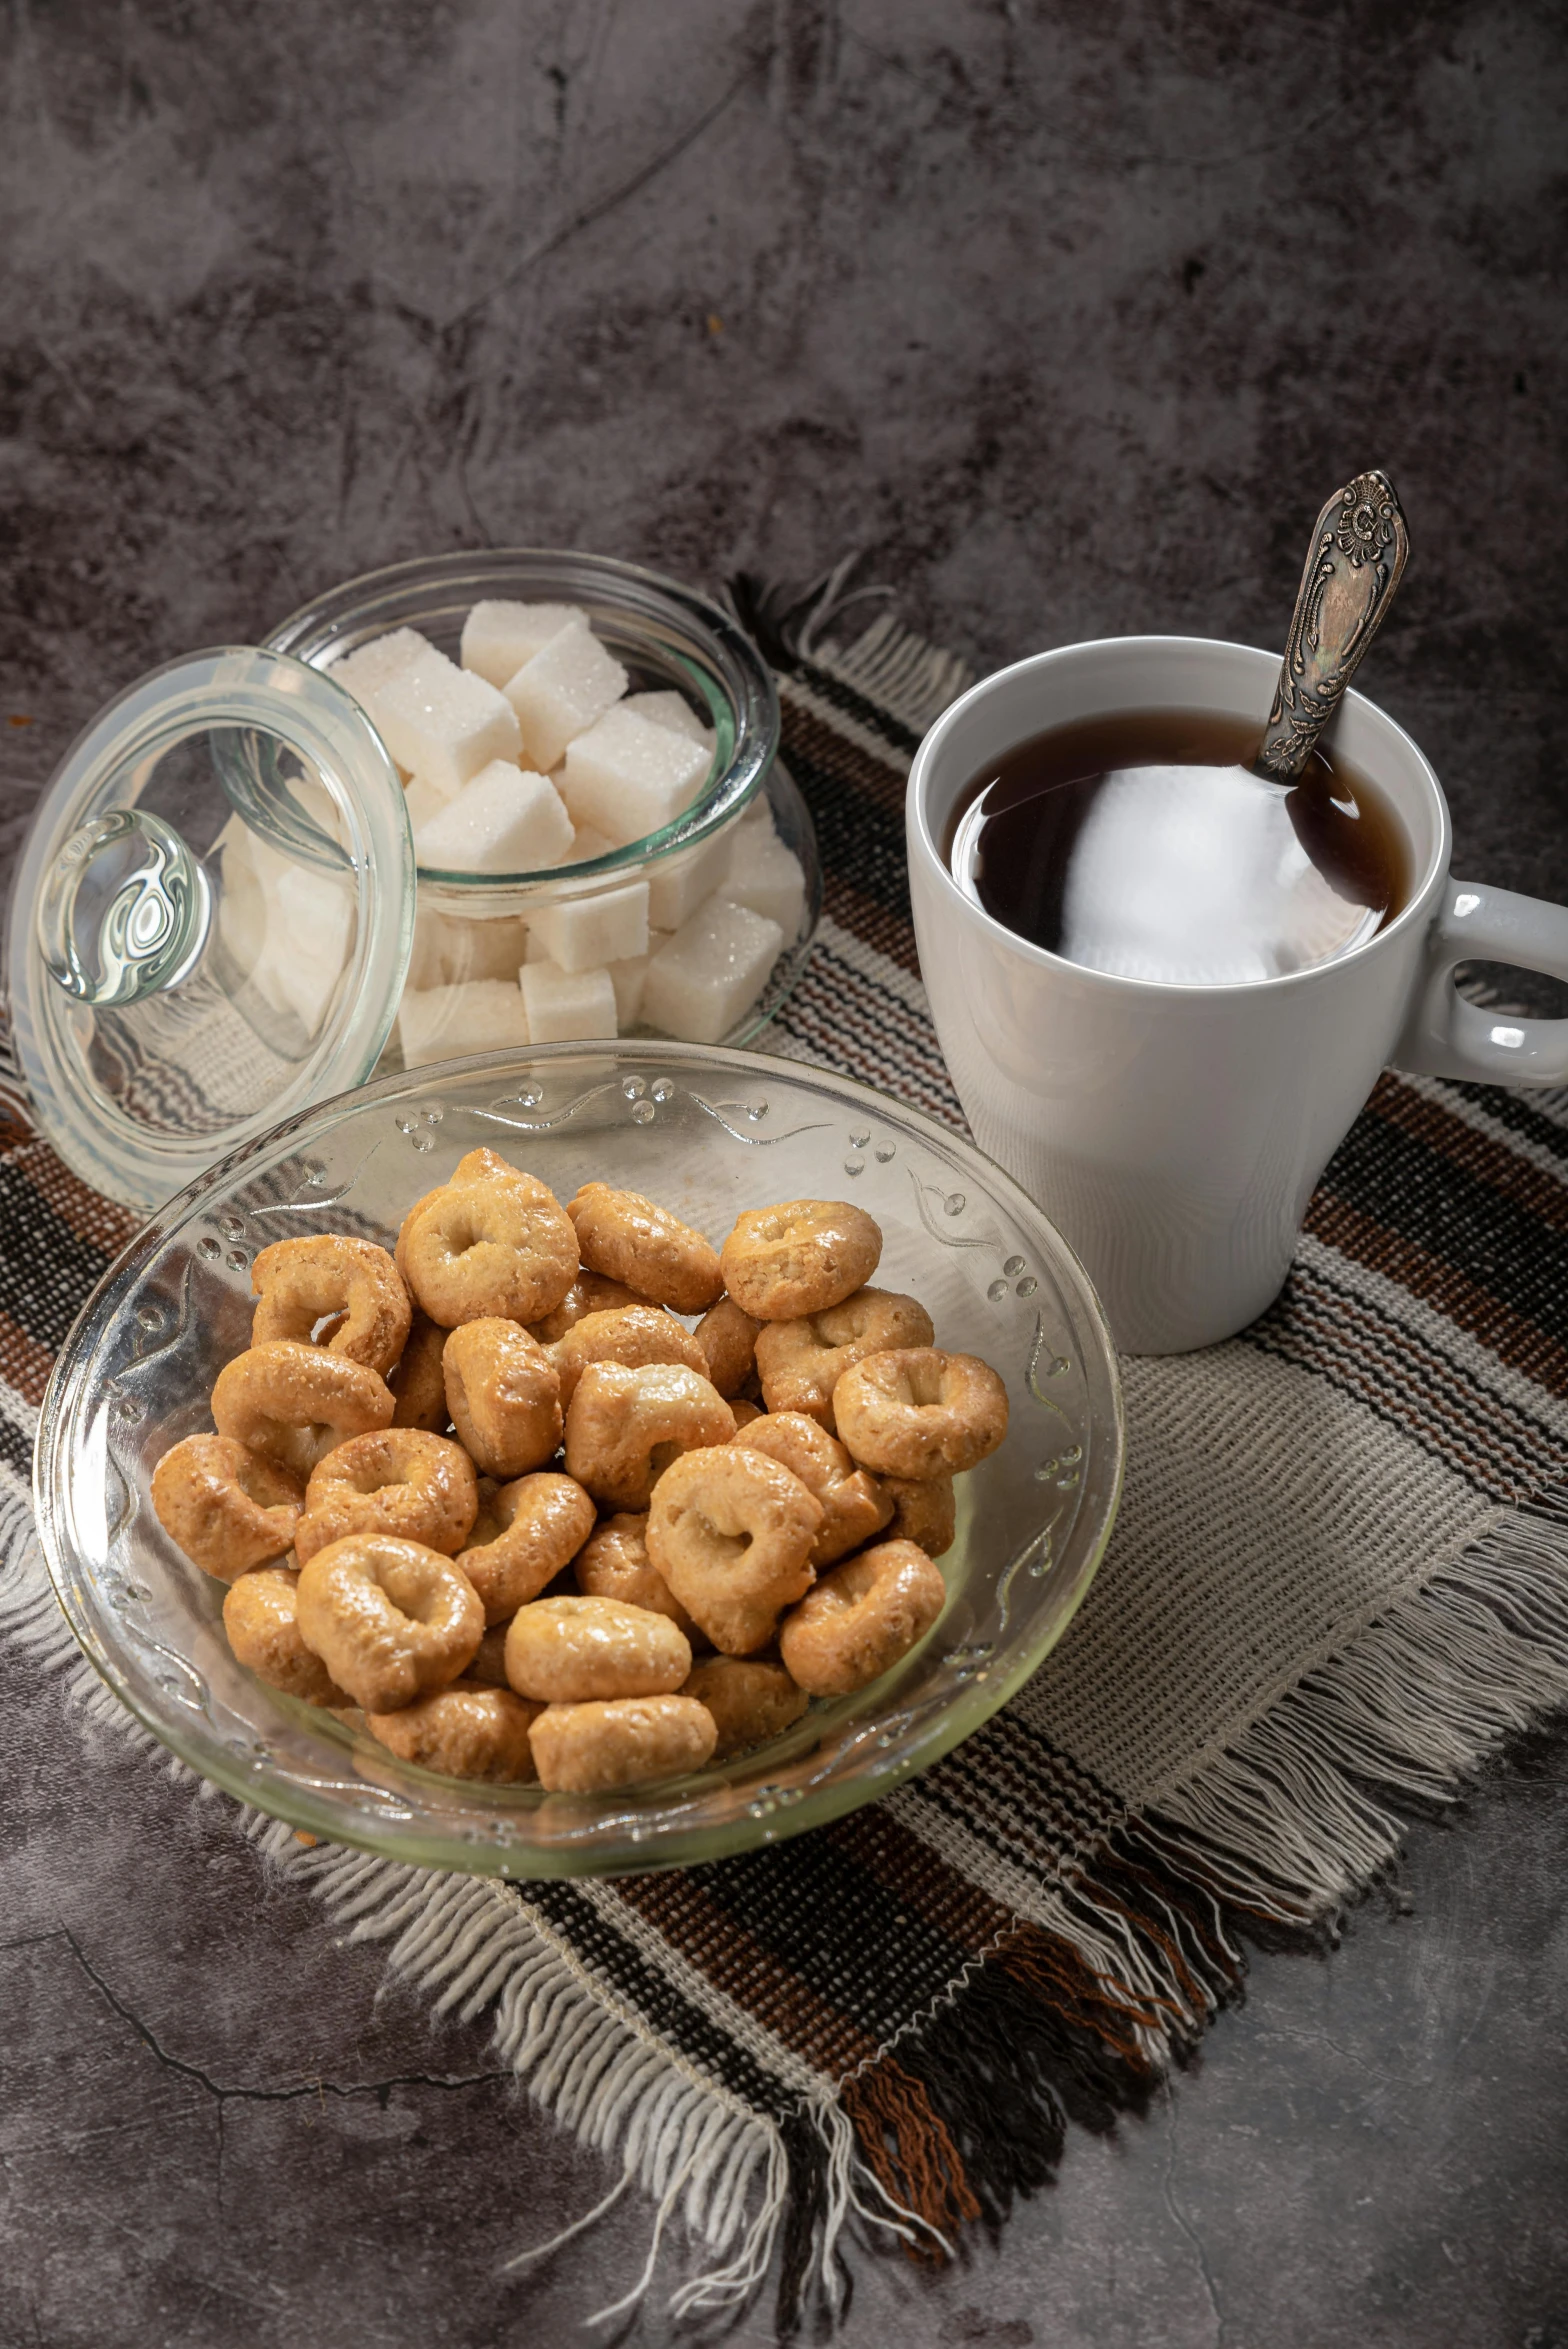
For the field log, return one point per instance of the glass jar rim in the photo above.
(692, 633)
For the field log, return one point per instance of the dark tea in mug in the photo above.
(1143, 845)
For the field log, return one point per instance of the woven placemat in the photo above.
(1338, 1579)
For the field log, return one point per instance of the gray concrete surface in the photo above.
(1068, 318)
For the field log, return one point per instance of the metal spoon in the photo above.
(1353, 566)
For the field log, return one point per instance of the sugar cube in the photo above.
(568, 684)
(767, 876)
(448, 949)
(499, 637)
(443, 1023)
(627, 778)
(678, 884)
(674, 711)
(566, 1005)
(374, 665)
(711, 972)
(422, 801)
(504, 821)
(242, 911)
(628, 978)
(310, 923)
(444, 723)
(582, 933)
(586, 843)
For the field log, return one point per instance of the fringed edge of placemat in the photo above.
(1075, 2016)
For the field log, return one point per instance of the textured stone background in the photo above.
(1068, 318)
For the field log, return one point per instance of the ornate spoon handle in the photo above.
(1353, 567)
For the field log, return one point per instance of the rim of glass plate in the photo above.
(283, 1798)
(725, 667)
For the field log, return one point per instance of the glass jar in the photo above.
(485, 926)
(212, 925)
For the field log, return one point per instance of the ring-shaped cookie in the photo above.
(728, 1338)
(261, 1617)
(390, 1620)
(504, 1394)
(624, 1741)
(731, 1532)
(589, 1293)
(567, 1650)
(750, 1699)
(228, 1508)
(799, 1257)
(613, 1563)
(626, 1426)
(630, 1239)
(295, 1403)
(925, 1511)
(350, 1284)
(499, 1246)
(396, 1480)
(631, 1334)
(854, 1506)
(418, 1383)
(918, 1412)
(465, 1731)
(800, 1362)
(861, 1618)
(526, 1532)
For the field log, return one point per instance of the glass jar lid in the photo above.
(211, 920)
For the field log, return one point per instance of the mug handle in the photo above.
(1446, 1036)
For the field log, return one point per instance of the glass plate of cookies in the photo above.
(580, 1460)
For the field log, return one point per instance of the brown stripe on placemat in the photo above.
(87, 1213)
(1480, 1154)
(910, 2150)
(1519, 1342)
(806, 735)
(857, 806)
(682, 1908)
(1048, 1966)
(24, 1363)
(814, 1016)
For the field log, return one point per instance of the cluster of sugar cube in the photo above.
(286, 924)
(529, 755)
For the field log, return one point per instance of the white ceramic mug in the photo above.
(1175, 1133)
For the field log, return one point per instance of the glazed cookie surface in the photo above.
(731, 1532)
(626, 1426)
(395, 1480)
(500, 1245)
(295, 1403)
(228, 1508)
(261, 1617)
(614, 1564)
(630, 1239)
(800, 1362)
(329, 1277)
(468, 1730)
(854, 1506)
(504, 1395)
(634, 1335)
(627, 1741)
(917, 1412)
(861, 1618)
(525, 1533)
(750, 1699)
(799, 1257)
(390, 1619)
(563, 1651)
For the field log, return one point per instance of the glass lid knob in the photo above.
(125, 911)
